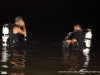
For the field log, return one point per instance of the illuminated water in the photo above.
(43, 55)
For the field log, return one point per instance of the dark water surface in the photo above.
(43, 55)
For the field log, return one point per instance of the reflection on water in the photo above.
(12, 61)
(44, 57)
(76, 60)
(86, 62)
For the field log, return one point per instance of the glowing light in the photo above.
(5, 66)
(4, 72)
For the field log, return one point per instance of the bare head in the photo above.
(17, 20)
(77, 27)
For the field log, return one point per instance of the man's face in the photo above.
(76, 28)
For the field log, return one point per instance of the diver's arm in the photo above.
(22, 31)
(22, 24)
(69, 41)
(74, 40)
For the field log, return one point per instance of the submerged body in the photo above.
(14, 38)
(14, 30)
(77, 39)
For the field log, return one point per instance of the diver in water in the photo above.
(76, 38)
(16, 31)
(77, 28)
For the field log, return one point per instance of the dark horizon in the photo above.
(51, 17)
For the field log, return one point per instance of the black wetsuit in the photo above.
(79, 36)
(13, 38)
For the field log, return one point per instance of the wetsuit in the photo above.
(79, 36)
(13, 38)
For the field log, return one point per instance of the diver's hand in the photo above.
(68, 41)
(22, 23)
(74, 40)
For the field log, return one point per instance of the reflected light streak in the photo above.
(86, 63)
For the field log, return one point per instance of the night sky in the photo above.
(51, 16)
